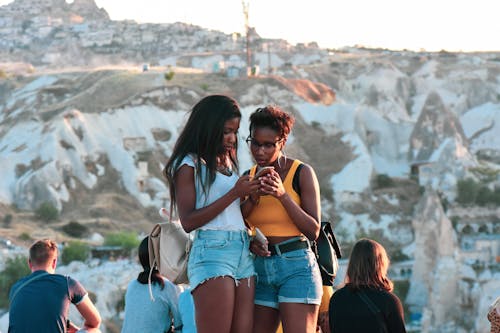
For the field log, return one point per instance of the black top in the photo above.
(349, 314)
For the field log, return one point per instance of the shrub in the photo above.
(24, 236)
(169, 76)
(383, 181)
(484, 196)
(75, 251)
(315, 124)
(127, 240)
(7, 220)
(47, 212)
(75, 229)
(15, 268)
(496, 196)
(467, 191)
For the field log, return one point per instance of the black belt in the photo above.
(287, 247)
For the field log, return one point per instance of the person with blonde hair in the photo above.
(40, 301)
(366, 302)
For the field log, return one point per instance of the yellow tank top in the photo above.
(269, 215)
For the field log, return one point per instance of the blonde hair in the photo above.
(368, 265)
(43, 251)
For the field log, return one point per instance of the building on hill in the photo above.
(482, 250)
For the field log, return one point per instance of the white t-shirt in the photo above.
(230, 219)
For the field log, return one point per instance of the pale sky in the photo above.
(433, 25)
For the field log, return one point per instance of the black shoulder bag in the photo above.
(326, 248)
(376, 311)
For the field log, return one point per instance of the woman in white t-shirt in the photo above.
(205, 187)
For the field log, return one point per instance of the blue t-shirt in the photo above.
(42, 305)
(142, 314)
(186, 308)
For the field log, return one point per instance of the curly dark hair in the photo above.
(273, 117)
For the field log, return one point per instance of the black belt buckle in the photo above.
(287, 247)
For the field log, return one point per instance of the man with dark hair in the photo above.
(40, 301)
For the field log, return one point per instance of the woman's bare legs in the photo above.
(222, 307)
(266, 319)
(299, 318)
(243, 306)
(214, 304)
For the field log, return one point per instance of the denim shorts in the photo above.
(290, 277)
(216, 253)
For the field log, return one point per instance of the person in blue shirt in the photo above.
(40, 301)
(154, 310)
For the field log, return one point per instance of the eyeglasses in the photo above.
(254, 144)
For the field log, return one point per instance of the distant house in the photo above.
(481, 249)
(108, 252)
(423, 172)
(233, 71)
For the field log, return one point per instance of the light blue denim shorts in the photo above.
(218, 253)
(290, 277)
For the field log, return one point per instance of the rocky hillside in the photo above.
(390, 134)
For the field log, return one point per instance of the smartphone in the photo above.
(263, 171)
(259, 236)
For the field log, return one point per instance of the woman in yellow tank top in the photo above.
(286, 208)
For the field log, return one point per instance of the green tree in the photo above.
(75, 251)
(75, 229)
(127, 240)
(383, 181)
(15, 268)
(467, 191)
(47, 212)
(169, 75)
(484, 196)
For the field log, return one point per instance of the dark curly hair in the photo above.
(273, 117)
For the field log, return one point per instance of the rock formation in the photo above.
(434, 282)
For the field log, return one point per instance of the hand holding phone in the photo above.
(262, 171)
(260, 237)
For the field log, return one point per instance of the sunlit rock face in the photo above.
(434, 282)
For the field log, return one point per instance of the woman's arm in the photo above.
(192, 218)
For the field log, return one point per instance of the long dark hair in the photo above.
(143, 254)
(368, 266)
(202, 136)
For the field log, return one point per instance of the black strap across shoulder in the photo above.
(373, 308)
(296, 179)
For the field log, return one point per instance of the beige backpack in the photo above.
(169, 247)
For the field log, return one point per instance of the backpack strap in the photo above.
(374, 309)
(296, 179)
